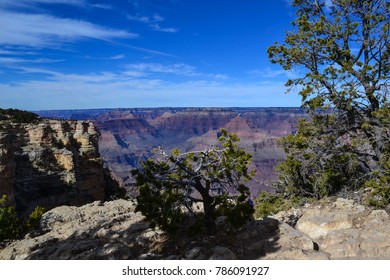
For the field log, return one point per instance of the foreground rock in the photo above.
(94, 231)
(330, 229)
(345, 230)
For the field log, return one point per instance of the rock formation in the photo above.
(50, 163)
(330, 229)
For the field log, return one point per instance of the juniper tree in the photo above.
(341, 52)
(171, 185)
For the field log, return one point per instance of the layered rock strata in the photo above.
(50, 163)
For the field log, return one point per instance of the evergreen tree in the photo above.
(171, 185)
(341, 52)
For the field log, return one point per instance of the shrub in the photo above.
(9, 222)
(170, 185)
(32, 222)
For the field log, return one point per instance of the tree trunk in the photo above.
(209, 215)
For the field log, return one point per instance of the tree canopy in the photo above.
(18, 116)
(340, 51)
(172, 185)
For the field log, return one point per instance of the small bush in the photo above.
(33, 220)
(267, 204)
(9, 222)
(12, 227)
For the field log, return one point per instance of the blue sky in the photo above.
(79, 54)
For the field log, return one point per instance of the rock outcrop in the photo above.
(330, 229)
(50, 163)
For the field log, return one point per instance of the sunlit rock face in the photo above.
(50, 163)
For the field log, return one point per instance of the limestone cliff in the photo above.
(50, 163)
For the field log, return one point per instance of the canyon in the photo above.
(128, 136)
(59, 165)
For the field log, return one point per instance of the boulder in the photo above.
(93, 231)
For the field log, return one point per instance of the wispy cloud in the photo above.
(118, 56)
(15, 52)
(12, 60)
(101, 6)
(269, 73)
(30, 3)
(139, 18)
(157, 27)
(40, 30)
(153, 22)
(146, 50)
(177, 69)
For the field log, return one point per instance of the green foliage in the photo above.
(239, 210)
(32, 222)
(317, 163)
(345, 143)
(170, 185)
(9, 222)
(161, 204)
(268, 203)
(18, 116)
(380, 195)
(379, 186)
(120, 193)
(11, 226)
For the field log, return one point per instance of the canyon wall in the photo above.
(50, 163)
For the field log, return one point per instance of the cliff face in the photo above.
(50, 163)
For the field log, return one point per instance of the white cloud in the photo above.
(157, 27)
(139, 18)
(269, 73)
(12, 60)
(101, 6)
(219, 76)
(178, 68)
(153, 22)
(118, 56)
(40, 30)
(31, 3)
(15, 52)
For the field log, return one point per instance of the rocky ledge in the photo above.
(330, 229)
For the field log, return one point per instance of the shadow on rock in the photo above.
(114, 230)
